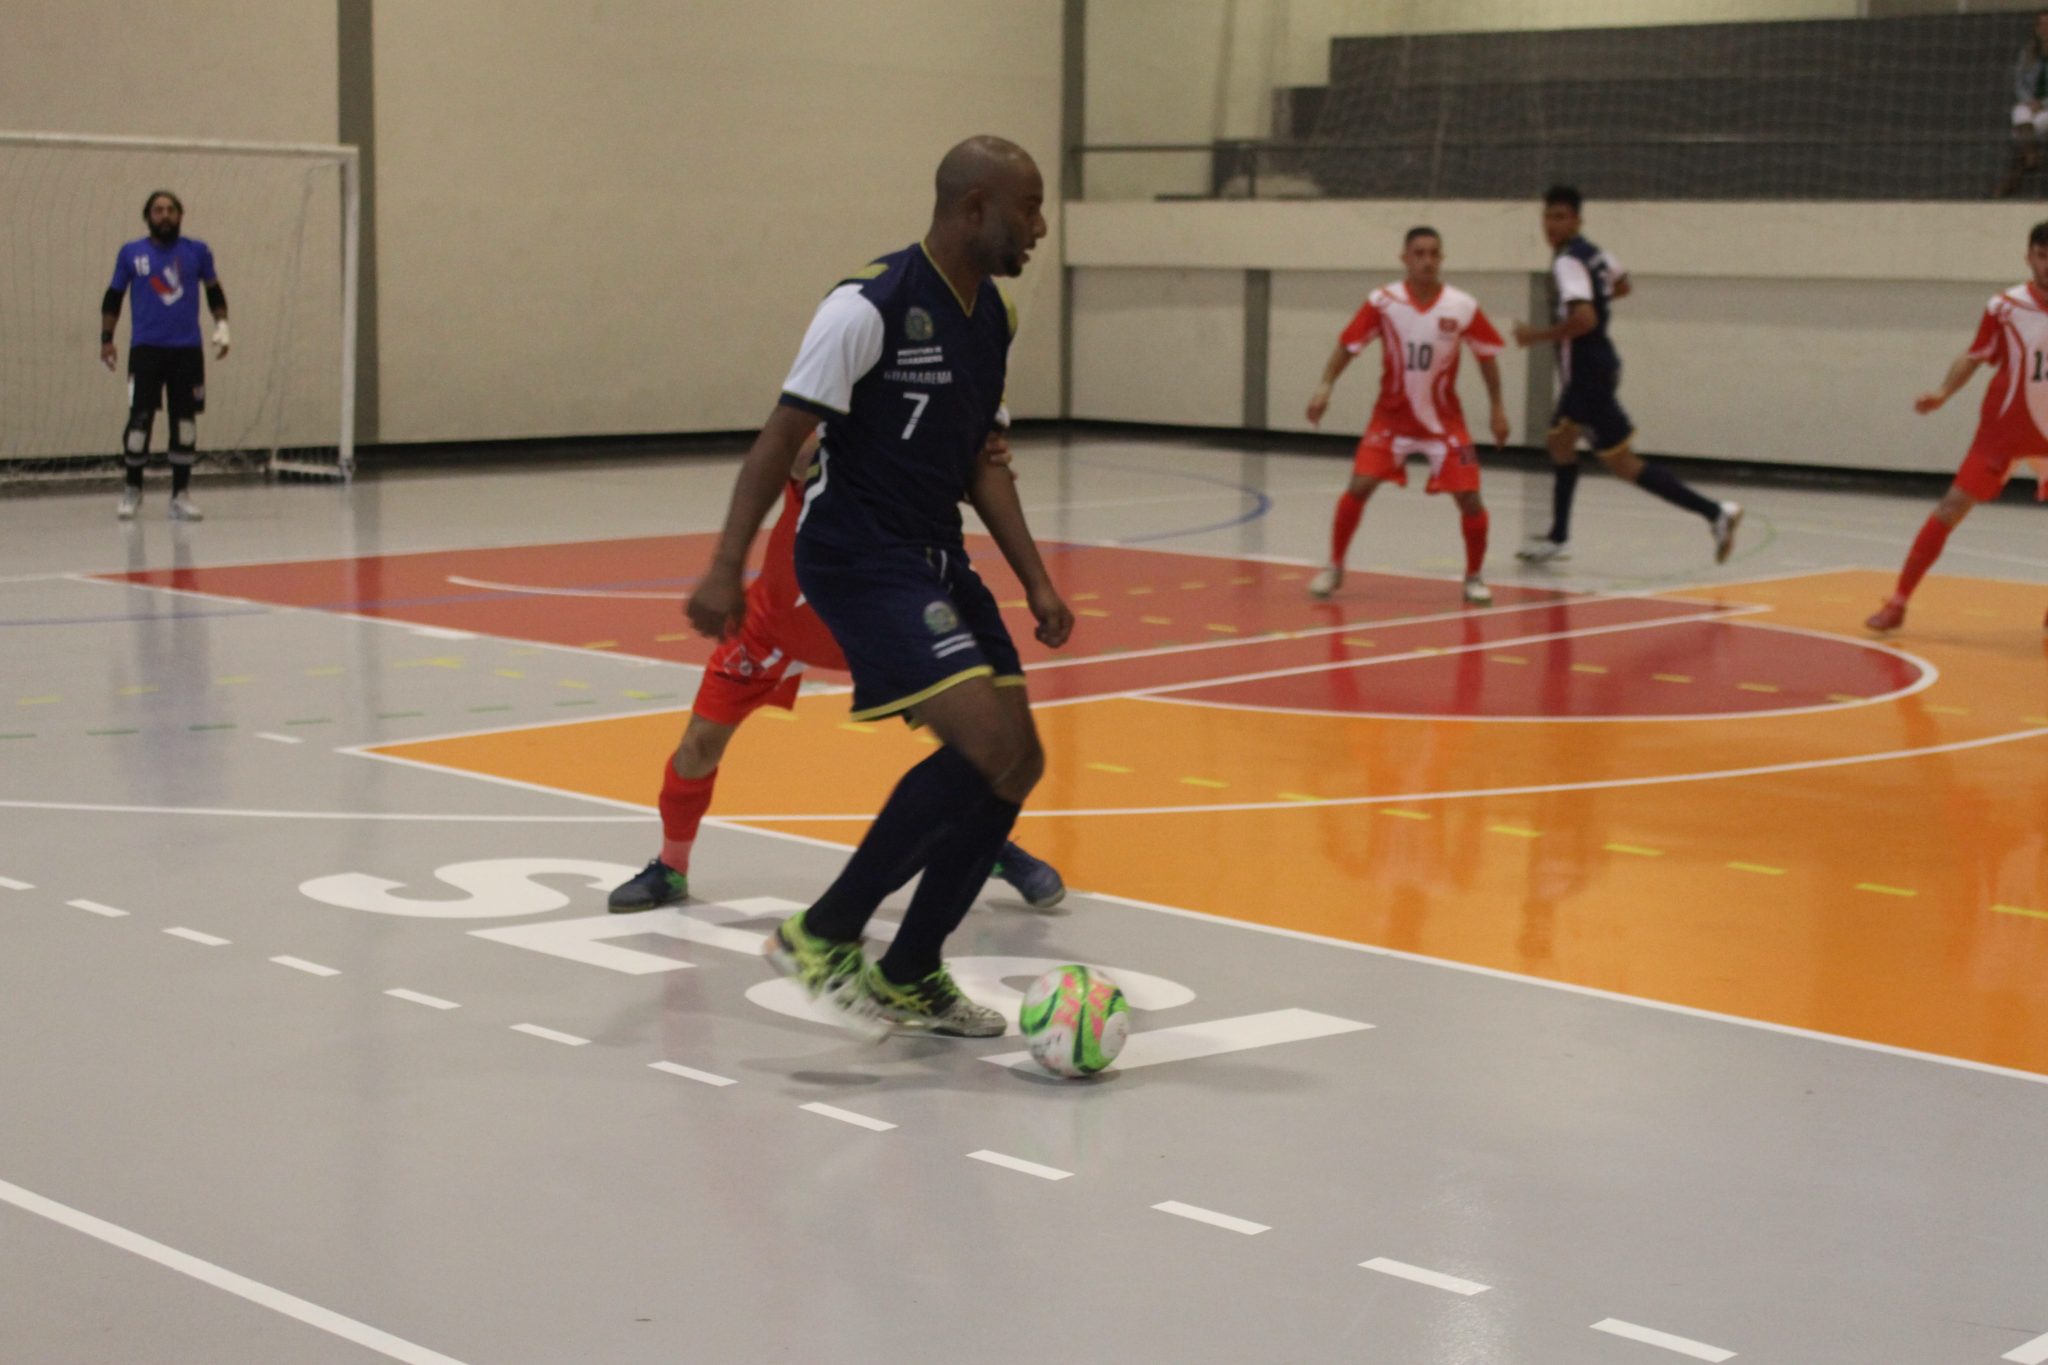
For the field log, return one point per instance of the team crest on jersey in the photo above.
(168, 286)
(1447, 325)
(939, 617)
(917, 325)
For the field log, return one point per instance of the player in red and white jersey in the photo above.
(1421, 324)
(762, 665)
(2012, 338)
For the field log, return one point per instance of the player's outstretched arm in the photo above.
(1319, 401)
(719, 604)
(1497, 414)
(1958, 375)
(994, 495)
(217, 304)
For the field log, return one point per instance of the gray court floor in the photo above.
(311, 1057)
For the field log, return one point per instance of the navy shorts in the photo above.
(1589, 403)
(911, 622)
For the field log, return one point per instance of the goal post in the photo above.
(283, 221)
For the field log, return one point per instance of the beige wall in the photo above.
(618, 218)
(1794, 333)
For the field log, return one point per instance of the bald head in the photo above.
(988, 204)
(982, 163)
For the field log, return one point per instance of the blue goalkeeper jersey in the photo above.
(162, 283)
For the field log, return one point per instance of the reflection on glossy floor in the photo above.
(1696, 992)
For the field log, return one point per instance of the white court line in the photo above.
(96, 908)
(442, 633)
(847, 1116)
(1650, 1336)
(1017, 1163)
(432, 1002)
(13, 885)
(194, 936)
(1435, 1279)
(1212, 1218)
(2034, 1352)
(299, 964)
(279, 739)
(676, 595)
(1185, 1042)
(312, 1314)
(691, 1073)
(552, 1035)
(98, 808)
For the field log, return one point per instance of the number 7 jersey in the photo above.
(1419, 358)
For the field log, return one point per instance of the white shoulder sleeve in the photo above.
(1615, 269)
(844, 342)
(1574, 285)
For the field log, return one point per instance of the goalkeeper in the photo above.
(166, 362)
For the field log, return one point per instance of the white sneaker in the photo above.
(131, 503)
(1477, 593)
(1724, 530)
(1541, 550)
(183, 510)
(1326, 581)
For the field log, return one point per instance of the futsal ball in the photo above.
(1075, 1021)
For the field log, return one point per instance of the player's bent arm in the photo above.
(1622, 288)
(1959, 373)
(719, 602)
(994, 495)
(1497, 416)
(1579, 321)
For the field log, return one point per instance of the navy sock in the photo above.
(1668, 486)
(1561, 494)
(927, 802)
(133, 474)
(181, 478)
(952, 879)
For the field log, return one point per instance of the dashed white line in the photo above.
(1212, 1218)
(299, 964)
(1436, 1279)
(194, 936)
(1650, 1336)
(2034, 1352)
(432, 1002)
(13, 885)
(206, 1272)
(848, 1116)
(552, 1035)
(96, 908)
(275, 738)
(1017, 1163)
(691, 1073)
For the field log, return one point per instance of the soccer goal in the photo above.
(282, 222)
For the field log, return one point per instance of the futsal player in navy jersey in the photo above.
(164, 272)
(904, 363)
(1584, 282)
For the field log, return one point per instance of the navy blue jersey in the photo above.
(1583, 273)
(909, 379)
(162, 284)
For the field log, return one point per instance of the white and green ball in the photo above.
(1075, 1020)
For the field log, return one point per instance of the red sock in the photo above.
(1926, 549)
(683, 803)
(1474, 528)
(1349, 510)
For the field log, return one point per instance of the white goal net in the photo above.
(281, 222)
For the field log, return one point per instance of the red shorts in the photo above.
(763, 665)
(1985, 470)
(1453, 463)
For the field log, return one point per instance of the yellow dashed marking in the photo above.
(1879, 888)
(36, 701)
(1361, 644)
(1845, 697)
(439, 661)
(674, 636)
(1948, 710)
(1109, 768)
(2020, 910)
(1138, 592)
(1757, 687)
(1292, 577)
(1672, 677)
(1089, 611)
(327, 672)
(632, 693)
(1011, 606)
(1157, 620)
(1406, 814)
(1588, 668)
(858, 727)
(602, 644)
(1759, 868)
(1518, 831)
(1208, 782)
(515, 673)
(1222, 629)
(2035, 720)
(1296, 796)
(1193, 585)
(235, 680)
(777, 713)
(578, 686)
(139, 690)
(1637, 849)
(1241, 582)
(1508, 659)
(1084, 597)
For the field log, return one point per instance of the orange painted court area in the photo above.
(1727, 798)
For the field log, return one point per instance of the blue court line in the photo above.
(1261, 503)
(117, 620)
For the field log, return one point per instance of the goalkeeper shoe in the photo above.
(657, 885)
(1541, 550)
(932, 1003)
(1035, 879)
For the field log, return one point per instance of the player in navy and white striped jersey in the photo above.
(1584, 282)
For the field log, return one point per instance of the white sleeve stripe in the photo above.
(1574, 285)
(843, 343)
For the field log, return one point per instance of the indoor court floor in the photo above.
(1652, 966)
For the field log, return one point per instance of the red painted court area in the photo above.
(1196, 628)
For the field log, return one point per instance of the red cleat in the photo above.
(1888, 617)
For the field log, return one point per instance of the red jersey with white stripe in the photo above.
(1419, 350)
